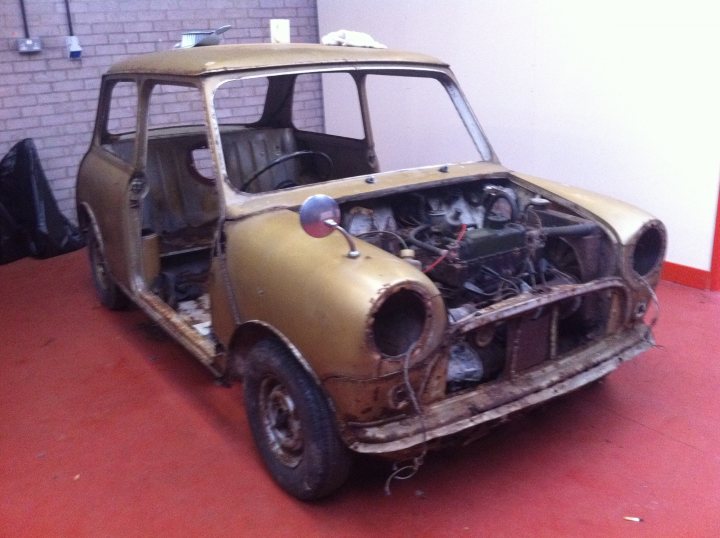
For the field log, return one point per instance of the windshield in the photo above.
(290, 130)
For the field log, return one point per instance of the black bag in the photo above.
(30, 222)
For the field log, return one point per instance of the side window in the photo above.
(172, 105)
(338, 114)
(181, 200)
(177, 134)
(241, 102)
(121, 129)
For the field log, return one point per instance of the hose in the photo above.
(412, 238)
(580, 229)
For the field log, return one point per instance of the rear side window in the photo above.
(121, 128)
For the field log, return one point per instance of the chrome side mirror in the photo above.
(319, 216)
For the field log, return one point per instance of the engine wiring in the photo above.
(404, 470)
(434, 264)
(384, 232)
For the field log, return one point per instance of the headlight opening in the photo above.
(649, 250)
(399, 322)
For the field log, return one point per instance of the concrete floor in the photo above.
(108, 428)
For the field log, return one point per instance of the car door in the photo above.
(106, 174)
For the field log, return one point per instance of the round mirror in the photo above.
(315, 212)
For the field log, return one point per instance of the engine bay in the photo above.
(485, 241)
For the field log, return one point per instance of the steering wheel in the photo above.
(288, 156)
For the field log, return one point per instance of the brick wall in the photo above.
(52, 99)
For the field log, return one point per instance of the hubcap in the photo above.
(282, 425)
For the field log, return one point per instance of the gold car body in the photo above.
(269, 279)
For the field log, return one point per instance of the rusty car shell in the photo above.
(268, 279)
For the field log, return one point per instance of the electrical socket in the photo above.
(73, 47)
(29, 45)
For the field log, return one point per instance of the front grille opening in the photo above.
(513, 346)
(585, 324)
(477, 357)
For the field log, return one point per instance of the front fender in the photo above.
(622, 219)
(321, 300)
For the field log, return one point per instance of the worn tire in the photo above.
(292, 424)
(109, 293)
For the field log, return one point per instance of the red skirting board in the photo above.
(698, 278)
(687, 276)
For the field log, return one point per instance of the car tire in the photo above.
(292, 424)
(109, 293)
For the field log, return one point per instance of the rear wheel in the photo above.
(109, 293)
(292, 424)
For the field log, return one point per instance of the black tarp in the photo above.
(30, 222)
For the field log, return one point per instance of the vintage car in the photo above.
(331, 226)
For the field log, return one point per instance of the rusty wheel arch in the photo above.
(250, 333)
(86, 218)
(247, 335)
(87, 222)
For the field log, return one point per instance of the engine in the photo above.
(484, 242)
(480, 243)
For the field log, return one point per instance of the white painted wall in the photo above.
(618, 96)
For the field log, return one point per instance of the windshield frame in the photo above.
(444, 76)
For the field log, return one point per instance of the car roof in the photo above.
(199, 61)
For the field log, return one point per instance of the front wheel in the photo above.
(292, 424)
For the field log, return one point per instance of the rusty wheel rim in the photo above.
(281, 423)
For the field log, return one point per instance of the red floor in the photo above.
(107, 428)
